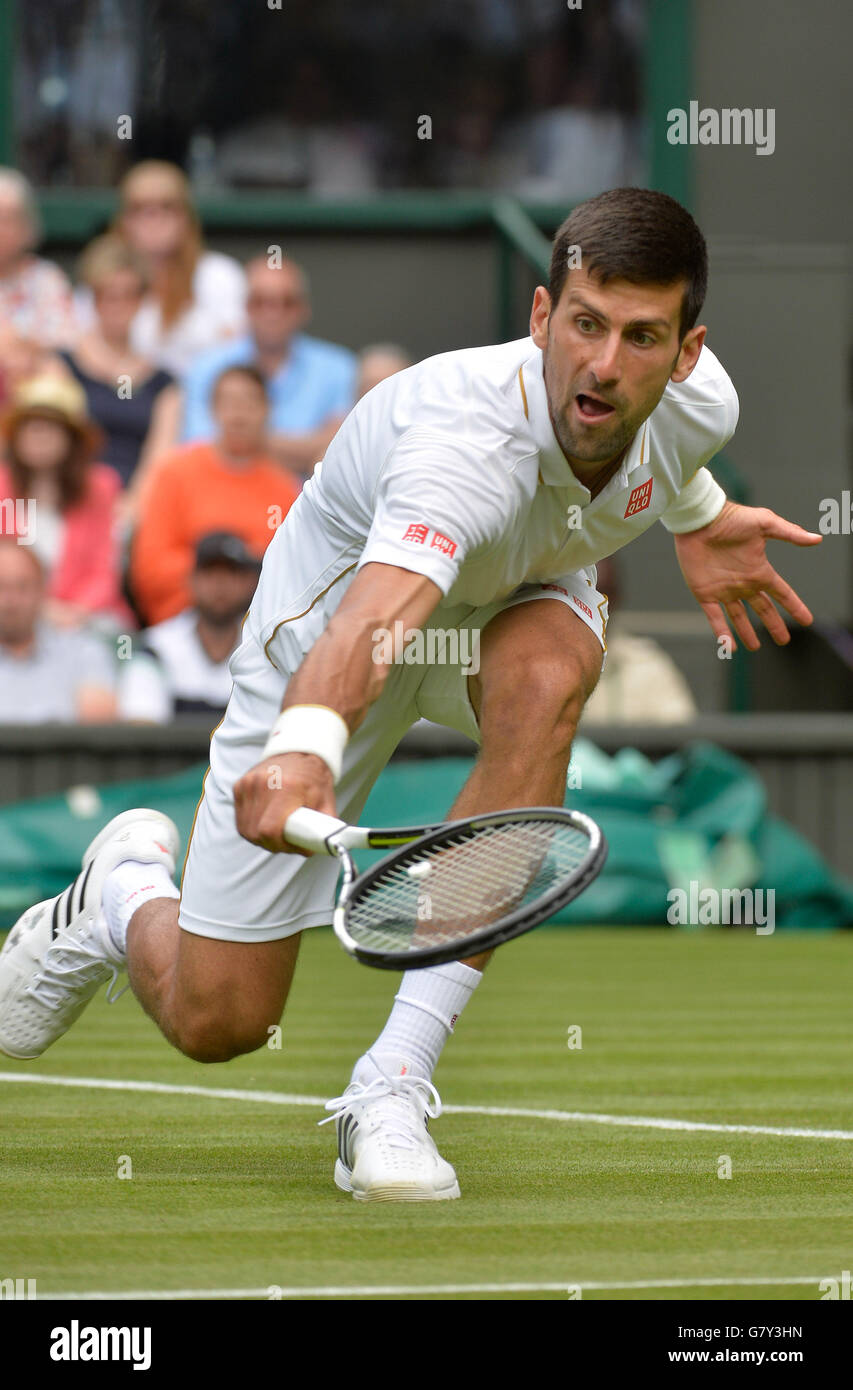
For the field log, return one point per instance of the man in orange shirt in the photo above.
(230, 484)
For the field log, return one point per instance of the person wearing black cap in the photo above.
(180, 666)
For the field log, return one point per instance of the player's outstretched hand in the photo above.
(267, 794)
(725, 566)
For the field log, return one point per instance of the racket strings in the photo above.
(465, 882)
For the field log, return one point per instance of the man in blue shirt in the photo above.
(311, 383)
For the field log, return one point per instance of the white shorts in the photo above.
(234, 891)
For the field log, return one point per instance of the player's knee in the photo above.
(210, 1038)
(547, 693)
(555, 695)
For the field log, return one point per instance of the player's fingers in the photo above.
(256, 799)
(282, 846)
(771, 618)
(742, 626)
(270, 831)
(317, 798)
(778, 529)
(788, 599)
(718, 624)
(245, 807)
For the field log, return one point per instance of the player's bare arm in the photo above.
(340, 674)
(725, 566)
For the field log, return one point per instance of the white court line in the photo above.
(378, 1290)
(383, 1290)
(504, 1111)
(96, 1083)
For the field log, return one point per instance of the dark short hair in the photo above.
(638, 235)
(240, 369)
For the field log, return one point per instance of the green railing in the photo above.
(518, 234)
(8, 37)
(75, 216)
(668, 84)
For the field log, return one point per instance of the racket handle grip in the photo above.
(311, 829)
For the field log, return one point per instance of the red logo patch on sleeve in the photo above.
(584, 607)
(640, 498)
(443, 543)
(556, 589)
(417, 532)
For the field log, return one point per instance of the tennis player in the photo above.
(474, 491)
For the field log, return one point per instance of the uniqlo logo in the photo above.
(640, 498)
(583, 606)
(443, 543)
(417, 533)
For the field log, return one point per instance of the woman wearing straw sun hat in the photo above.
(65, 501)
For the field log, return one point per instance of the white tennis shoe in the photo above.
(385, 1150)
(60, 952)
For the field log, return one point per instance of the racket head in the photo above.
(514, 869)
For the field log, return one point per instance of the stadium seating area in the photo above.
(159, 419)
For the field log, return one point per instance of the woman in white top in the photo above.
(197, 297)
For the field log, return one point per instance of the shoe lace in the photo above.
(402, 1122)
(66, 956)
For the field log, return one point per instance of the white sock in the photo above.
(424, 1015)
(127, 886)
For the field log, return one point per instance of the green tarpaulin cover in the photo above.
(696, 818)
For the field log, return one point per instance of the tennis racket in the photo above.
(451, 890)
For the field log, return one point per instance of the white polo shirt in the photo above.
(451, 469)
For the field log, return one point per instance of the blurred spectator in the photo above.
(180, 666)
(311, 383)
(232, 483)
(640, 683)
(378, 361)
(36, 310)
(329, 101)
(20, 360)
(69, 501)
(330, 159)
(196, 297)
(46, 672)
(580, 132)
(136, 406)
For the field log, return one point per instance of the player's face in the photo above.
(609, 351)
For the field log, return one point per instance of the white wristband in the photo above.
(697, 505)
(310, 729)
